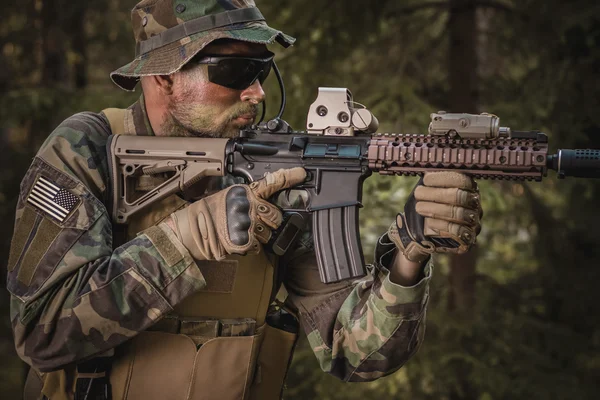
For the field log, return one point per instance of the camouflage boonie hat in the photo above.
(168, 33)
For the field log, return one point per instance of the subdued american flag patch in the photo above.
(54, 201)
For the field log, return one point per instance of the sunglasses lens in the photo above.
(238, 73)
(266, 71)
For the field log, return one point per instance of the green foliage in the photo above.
(535, 330)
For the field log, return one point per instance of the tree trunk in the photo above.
(76, 30)
(55, 68)
(464, 97)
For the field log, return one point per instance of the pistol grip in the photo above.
(337, 244)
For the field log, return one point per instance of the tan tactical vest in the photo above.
(215, 345)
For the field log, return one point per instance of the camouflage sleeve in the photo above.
(72, 295)
(361, 330)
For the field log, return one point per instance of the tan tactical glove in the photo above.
(442, 215)
(234, 220)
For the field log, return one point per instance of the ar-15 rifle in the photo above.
(338, 150)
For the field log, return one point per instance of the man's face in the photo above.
(198, 107)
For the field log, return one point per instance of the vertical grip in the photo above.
(337, 244)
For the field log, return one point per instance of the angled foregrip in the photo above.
(337, 244)
(414, 222)
(413, 226)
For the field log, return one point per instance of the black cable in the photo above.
(264, 111)
(282, 87)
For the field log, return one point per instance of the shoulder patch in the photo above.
(53, 211)
(51, 200)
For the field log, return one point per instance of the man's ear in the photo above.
(164, 83)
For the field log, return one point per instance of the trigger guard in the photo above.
(283, 199)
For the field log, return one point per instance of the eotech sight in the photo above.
(339, 150)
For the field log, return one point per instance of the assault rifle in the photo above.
(339, 150)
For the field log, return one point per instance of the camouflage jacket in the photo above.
(75, 296)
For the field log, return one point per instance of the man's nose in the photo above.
(254, 93)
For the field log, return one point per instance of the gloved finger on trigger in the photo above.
(459, 233)
(269, 214)
(449, 179)
(278, 181)
(453, 196)
(456, 214)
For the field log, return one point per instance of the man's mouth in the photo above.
(248, 118)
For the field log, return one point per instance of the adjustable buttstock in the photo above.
(176, 163)
(337, 244)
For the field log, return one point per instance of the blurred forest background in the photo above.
(519, 318)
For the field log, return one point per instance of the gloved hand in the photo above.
(442, 215)
(234, 220)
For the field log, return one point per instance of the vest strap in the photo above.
(116, 119)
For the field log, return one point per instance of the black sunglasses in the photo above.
(237, 72)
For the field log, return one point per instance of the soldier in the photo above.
(180, 304)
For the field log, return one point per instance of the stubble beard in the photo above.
(202, 120)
